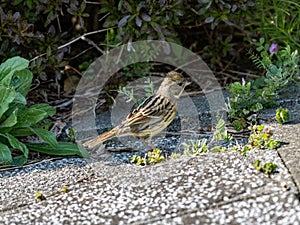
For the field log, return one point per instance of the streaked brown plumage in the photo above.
(153, 115)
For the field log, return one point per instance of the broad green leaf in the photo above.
(62, 148)
(5, 154)
(21, 81)
(18, 103)
(7, 95)
(46, 136)
(9, 67)
(19, 160)
(45, 107)
(30, 117)
(10, 121)
(16, 144)
(21, 132)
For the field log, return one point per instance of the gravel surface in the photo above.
(214, 188)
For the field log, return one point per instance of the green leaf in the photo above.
(45, 135)
(21, 132)
(30, 117)
(10, 121)
(45, 107)
(7, 95)
(5, 154)
(62, 149)
(19, 160)
(21, 81)
(19, 100)
(16, 144)
(9, 67)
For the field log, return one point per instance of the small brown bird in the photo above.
(153, 115)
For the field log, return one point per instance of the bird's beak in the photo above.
(186, 83)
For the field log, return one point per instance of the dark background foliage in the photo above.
(221, 32)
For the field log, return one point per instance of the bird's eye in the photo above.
(180, 83)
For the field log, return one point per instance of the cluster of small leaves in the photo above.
(39, 196)
(243, 103)
(129, 94)
(282, 115)
(33, 28)
(197, 147)
(152, 157)
(17, 120)
(267, 168)
(243, 149)
(261, 138)
(281, 65)
(215, 12)
(142, 20)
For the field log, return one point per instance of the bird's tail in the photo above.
(101, 138)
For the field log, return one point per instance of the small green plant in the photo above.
(282, 115)
(149, 88)
(39, 196)
(243, 149)
(261, 138)
(220, 132)
(175, 155)
(197, 147)
(218, 148)
(251, 97)
(17, 121)
(152, 157)
(129, 94)
(243, 103)
(239, 124)
(267, 168)
(281, 65)
(64, 189)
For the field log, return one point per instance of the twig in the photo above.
(79, 54)
(64, 104)
(244, 74)
(90, 42)
(103, 17)
(74, 40)
(93, 3)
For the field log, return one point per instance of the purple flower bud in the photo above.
(273, 48)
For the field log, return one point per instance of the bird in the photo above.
(153, 115)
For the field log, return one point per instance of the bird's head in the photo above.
(172, 85)
(175, 78)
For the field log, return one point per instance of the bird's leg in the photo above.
(148, 144)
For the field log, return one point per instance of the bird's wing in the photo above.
(152, 108)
